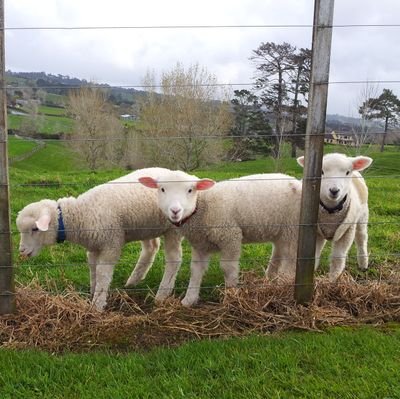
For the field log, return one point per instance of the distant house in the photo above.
(128, 117)
(338, 138)
(21, 103)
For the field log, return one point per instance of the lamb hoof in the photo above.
(333, 278)
(160, 299)
(99, 305)
(363, 265)
(188, 302)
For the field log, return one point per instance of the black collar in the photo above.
(61, 236)
(337, 208)
(184, 220)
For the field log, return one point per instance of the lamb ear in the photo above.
(43, 222)
(204, 184)
(300, 161)
(361, 163)
(148, 182)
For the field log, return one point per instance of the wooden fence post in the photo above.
(7, 294)
(321, 49)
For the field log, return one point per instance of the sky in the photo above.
(123, 56)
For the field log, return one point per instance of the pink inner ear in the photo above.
(300, 161)
(43, 222)
(148, 182)
(361, 163)
(204, 184)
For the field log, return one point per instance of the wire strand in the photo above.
(243, 260)
(203, 26)
(266, 285)
(200, 227)
(139, 138)
(154, 86)
(243, 179)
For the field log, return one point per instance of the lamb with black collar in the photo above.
(343, 213)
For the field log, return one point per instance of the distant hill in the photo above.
(340, 123)
(61, 84)
(55, 88)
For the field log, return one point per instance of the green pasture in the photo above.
(55, 172)
(51, 120)
(339, 363)
(17, 146)
(43, 109)
(56, 99)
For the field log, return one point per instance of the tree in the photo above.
(283, 76)
(361, 131)
(97, 132)
(299, 87)
(386, 107)
(273, 63)
(251, 130)
(33, 121)
(181, 125)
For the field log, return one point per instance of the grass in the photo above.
(49, 122)
(52, 110)
(61, 174)
(56, 99)
(56, 124)
(342, 362)
(345, 363)
(17, 146)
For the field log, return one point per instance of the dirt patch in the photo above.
(67, 322)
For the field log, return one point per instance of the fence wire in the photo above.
(247, 259)
(138, 137)
(159, 86)
(204, 26)
(150, 290)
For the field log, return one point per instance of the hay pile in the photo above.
(67, 322)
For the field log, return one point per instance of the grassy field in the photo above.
(50, 124)
(59, 173)
(19, 147)
(346, 363)
(52, 110)
(340, 363)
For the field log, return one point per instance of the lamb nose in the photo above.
(175, 211)
(334, 191)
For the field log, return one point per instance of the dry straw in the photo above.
(67, 322)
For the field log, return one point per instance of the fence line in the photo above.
(203, 227)
(205, 26)
(90, 184)
(205, 287)
(9, 293)
(272, 136)
(242, 261)
(141, 86)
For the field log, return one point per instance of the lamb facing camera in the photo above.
(219, 217)
(343, 213)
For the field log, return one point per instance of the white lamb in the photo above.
(343, 212)
(102, 220)
(257, 208)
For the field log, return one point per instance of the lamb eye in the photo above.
(190, 190)
(162, 189)
(347, 173)
(322, 172)
(35, 229)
